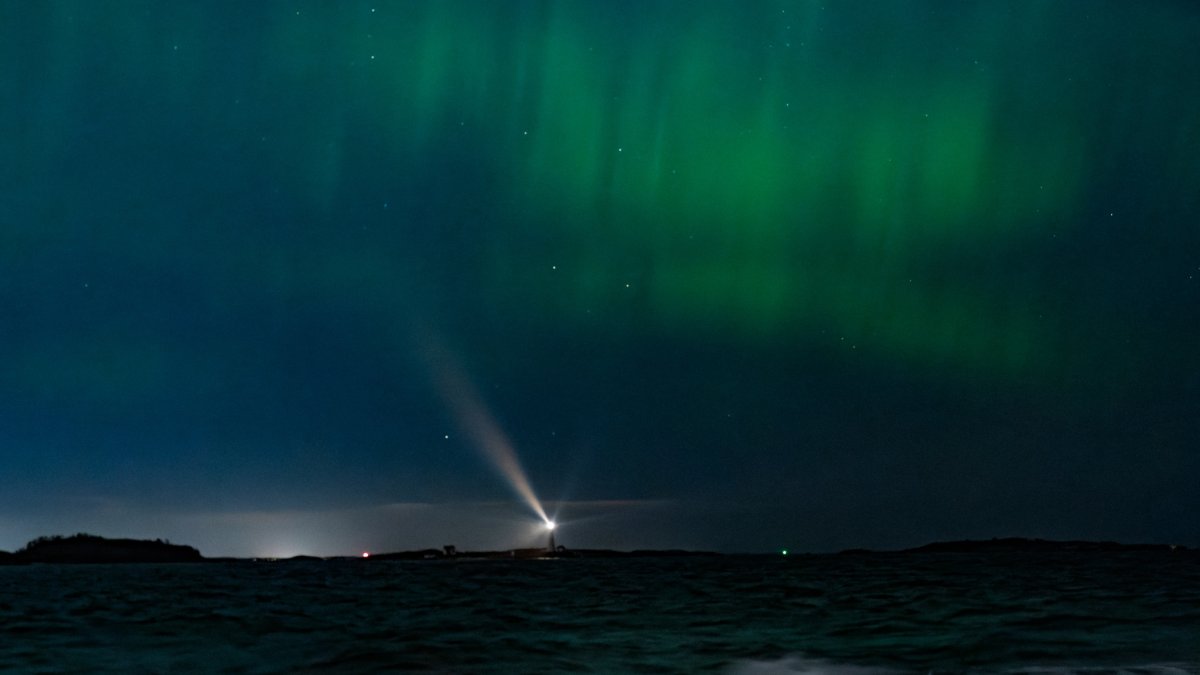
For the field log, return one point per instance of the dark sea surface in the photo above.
(1018, 613)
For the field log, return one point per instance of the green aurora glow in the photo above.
(684, 171)
(698, 240)
(771, 188)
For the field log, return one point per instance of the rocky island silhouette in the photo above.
(1005, 545)
(89, 548)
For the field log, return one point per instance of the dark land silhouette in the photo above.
(1003, 545)
(89, 548)
(520, 553)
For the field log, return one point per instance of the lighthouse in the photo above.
(550, 525)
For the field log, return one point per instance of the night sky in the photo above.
(276, 277)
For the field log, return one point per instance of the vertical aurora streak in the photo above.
(838, 262)
(762, 188)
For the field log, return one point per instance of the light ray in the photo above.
(477, 422)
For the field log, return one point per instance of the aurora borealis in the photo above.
(866, 274)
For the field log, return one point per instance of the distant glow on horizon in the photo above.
(366, 555)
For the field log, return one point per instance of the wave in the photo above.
(1148, 669)
(799, 664)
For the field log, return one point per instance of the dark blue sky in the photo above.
(274, 278)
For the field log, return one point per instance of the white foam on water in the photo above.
(801, 665)
(798, 664)
(1148, 669)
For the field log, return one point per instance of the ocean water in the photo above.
(851, 615)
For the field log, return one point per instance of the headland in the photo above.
(89, 548)
(1004, 545)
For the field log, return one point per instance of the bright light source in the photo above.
(475, 419)
(550, 525)
(366, 555)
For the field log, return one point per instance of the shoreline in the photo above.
(92, 549)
